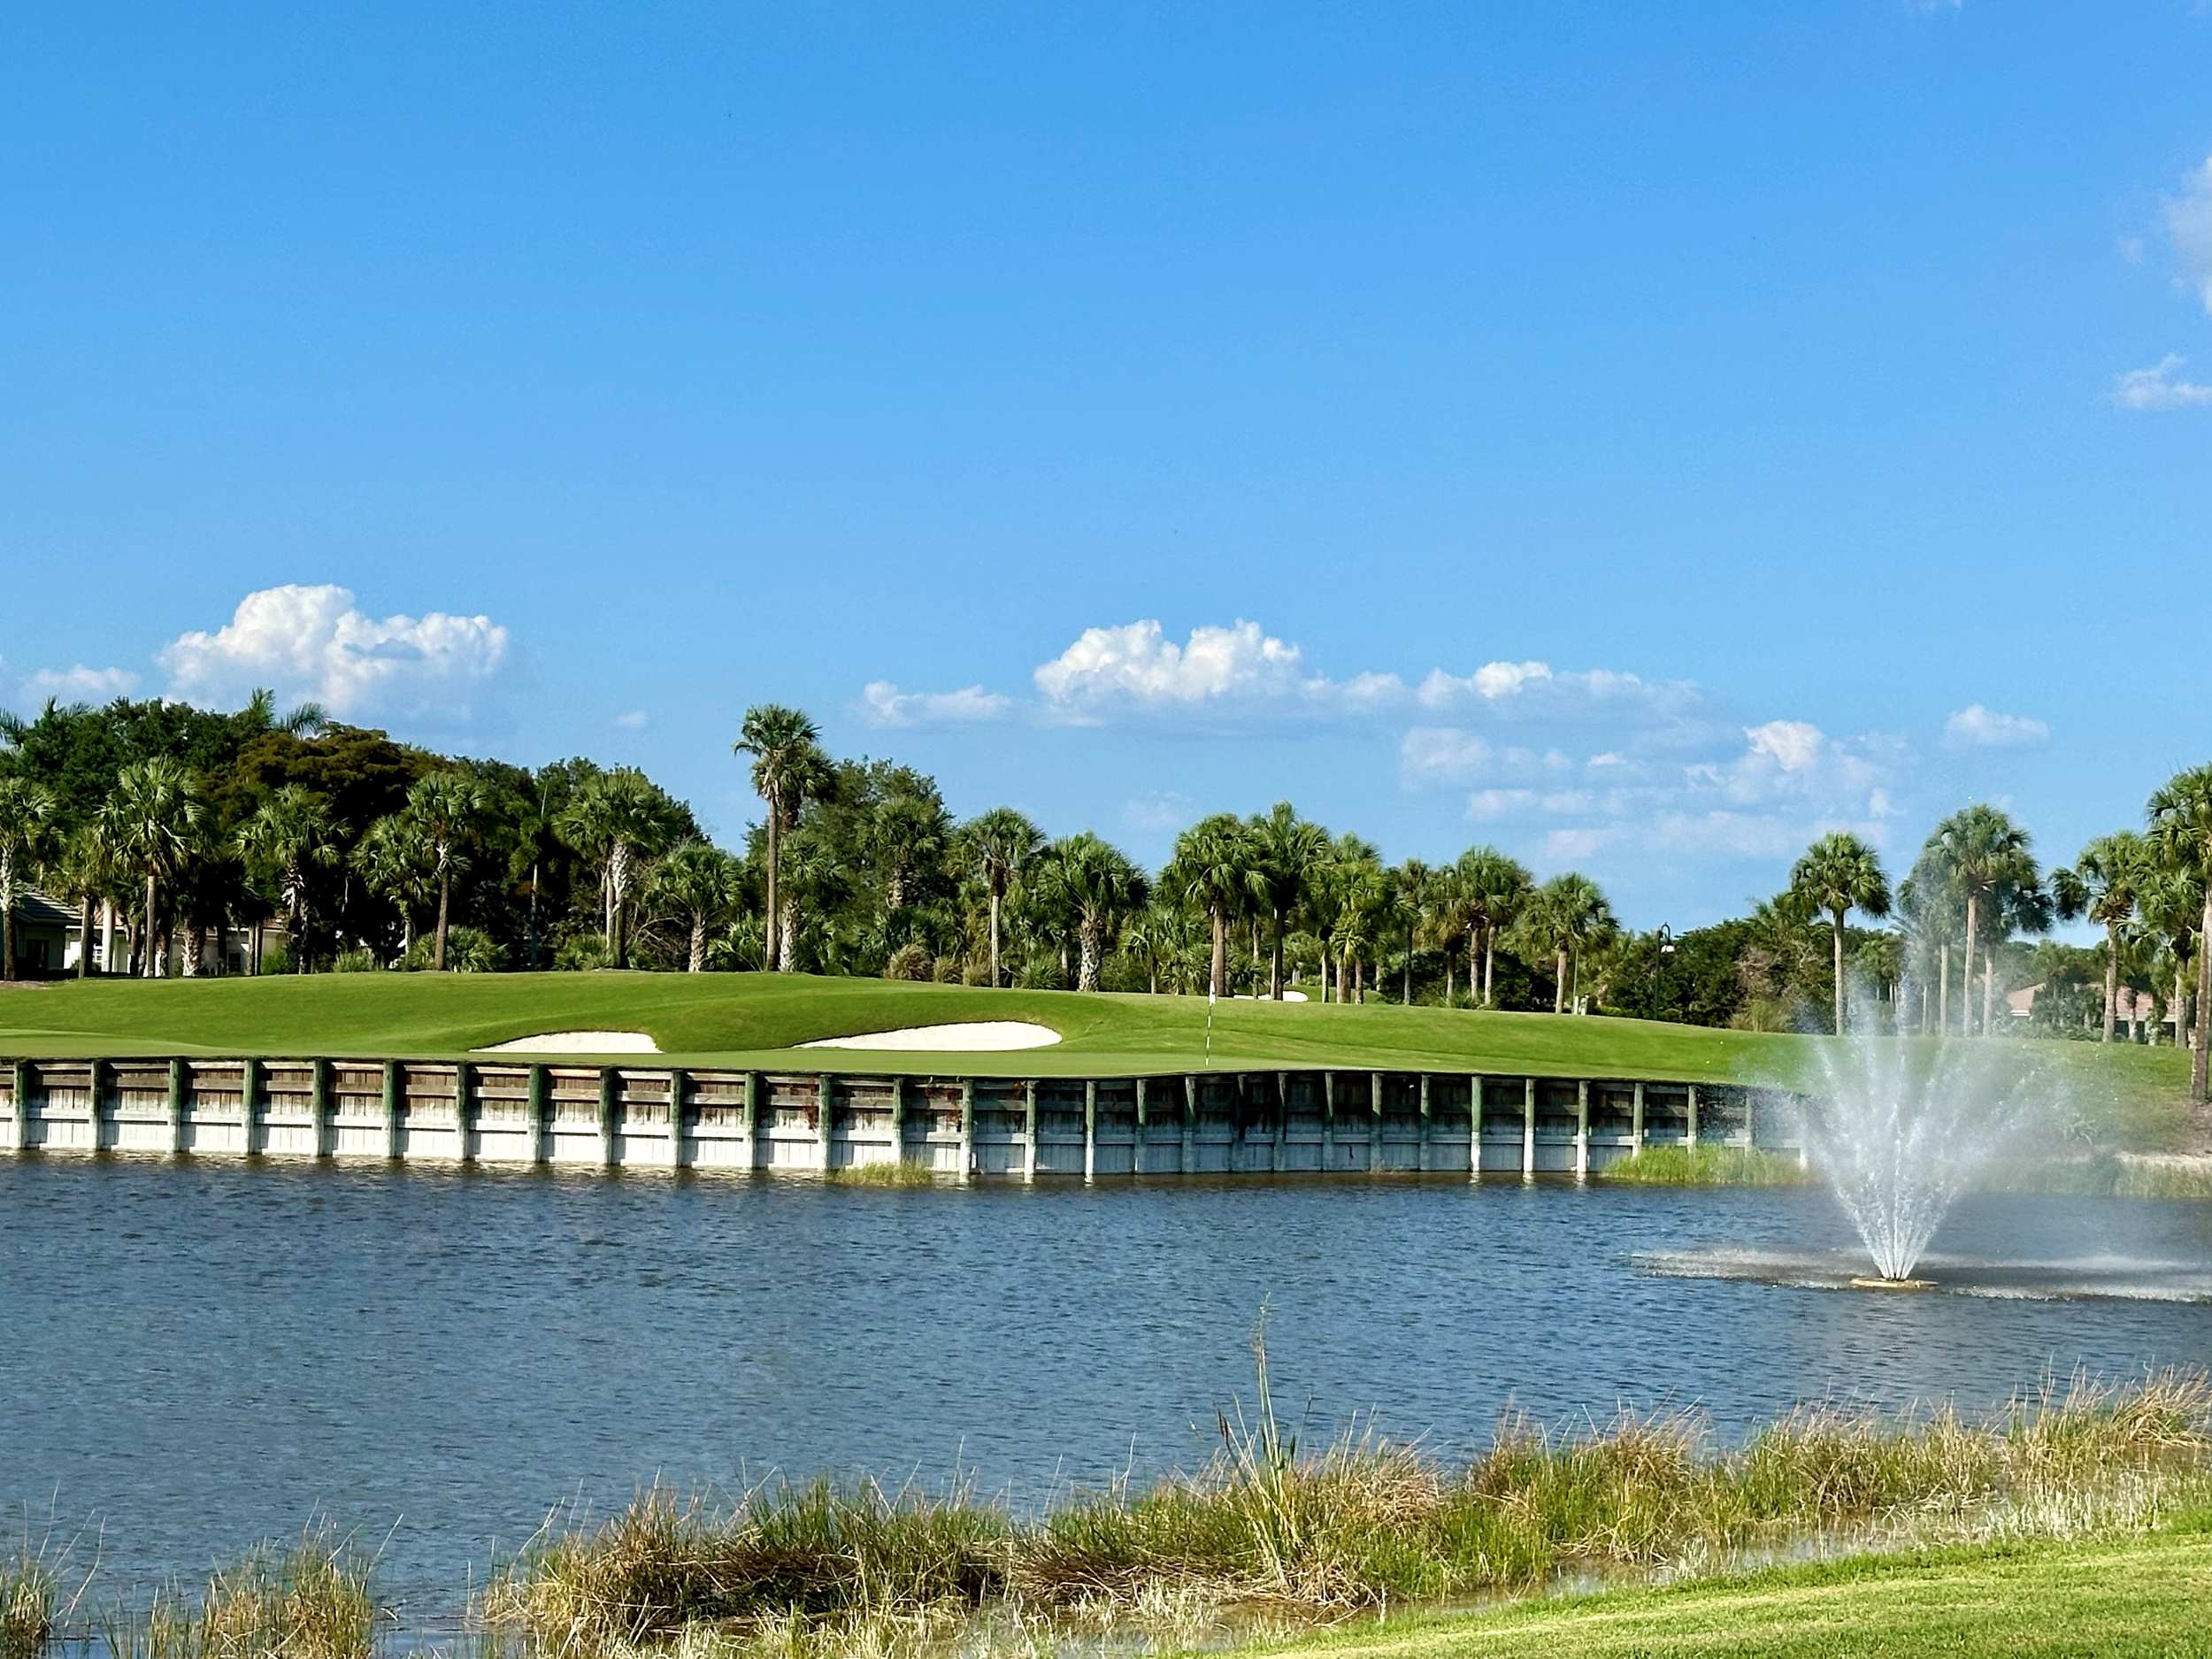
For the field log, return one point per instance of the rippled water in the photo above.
(194, 1356)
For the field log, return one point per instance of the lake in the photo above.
(197, 1356)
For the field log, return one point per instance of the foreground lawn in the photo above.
(2150, 1596)
(750, 1019)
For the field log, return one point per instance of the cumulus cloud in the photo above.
(79, 684)
(1541, 687)
(1135, 667)
(1792, 745)
(1975, 727)
(2189, 222)
(1487, 804)
(315, 641)
(883, 703)
(2160, 388)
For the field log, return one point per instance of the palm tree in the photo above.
(26, 841)
(788, 766)
(289, 834)
(1486, 893)
(698, 883)
(394, 860)
(260, 715)
(86, 871)
(1214, 867)
(1565, 915)
(1287, 852)
(1984, 853)
(2104, 885)
(619, 819)
(445, 807)
(2181, 828)
(1413, 888)
(1100, 888)
(2173, 905)
(998, 844)
(1838, 874)
(152, 820)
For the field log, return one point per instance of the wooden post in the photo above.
(1328, 1120)
(1282, 1118)
(461, 1111)
(1090, 1129)
(967, 1128)
(1190, 1125)
(1528, 1128)
(755, 1157)
(1582, 1129)
(1374, 1122)
(537, 1112)
(1029, 1130)
(1421, 1156)
(1689, 1137)
(1137, 1154)
(1474, 1128)
(393, 1106)
(248, 1105)
(1636, 1123)
(318, 1108)
(19, 1085)
(898, 1119)
(825, 1119)
(678, 1092)
(176, 1107)
(1750, 1120)
(93, 1069)
(610, 1109)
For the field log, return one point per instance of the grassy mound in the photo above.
(1708, 1166)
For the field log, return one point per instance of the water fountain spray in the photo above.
(1904, 1125)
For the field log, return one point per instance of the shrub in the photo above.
(910, 961)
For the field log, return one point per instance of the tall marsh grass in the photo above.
(311, 1600)
(1708, 1166)
(891, 1172)
(1359, 1522)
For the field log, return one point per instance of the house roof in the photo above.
(32, 906)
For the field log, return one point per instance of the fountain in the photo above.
(1902, 1129)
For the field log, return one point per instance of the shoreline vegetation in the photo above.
(2095, 1175)
(1272, 1542)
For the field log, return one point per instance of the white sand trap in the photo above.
(577, 1042)
(978, 1036)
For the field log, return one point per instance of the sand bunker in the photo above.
(578, 1042)
(981, 1036)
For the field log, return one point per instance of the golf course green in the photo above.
(752, 1020)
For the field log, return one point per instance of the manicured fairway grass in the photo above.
(749, 1019)
(2148, 1596)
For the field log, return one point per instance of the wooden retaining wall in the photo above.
(622, 1116)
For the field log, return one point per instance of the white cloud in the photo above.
(1975, 727)
(314, 641)
(635, 720)
(79, 684)
(1540, 685)
(1135, 666)
(883, 703)
(1440, 754)
(2159, 387)
(2189, 222)
(1569, 846)
(1793, 745)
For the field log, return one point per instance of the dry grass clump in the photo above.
(1363, 1522)
(308, 1600)
(28, 1593)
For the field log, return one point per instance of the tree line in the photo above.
(177, 825)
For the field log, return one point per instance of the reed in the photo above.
(896, 1172)
(1708, 1166)
(28, 1597)
(310, 1600)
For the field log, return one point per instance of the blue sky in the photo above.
(1638, 436)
